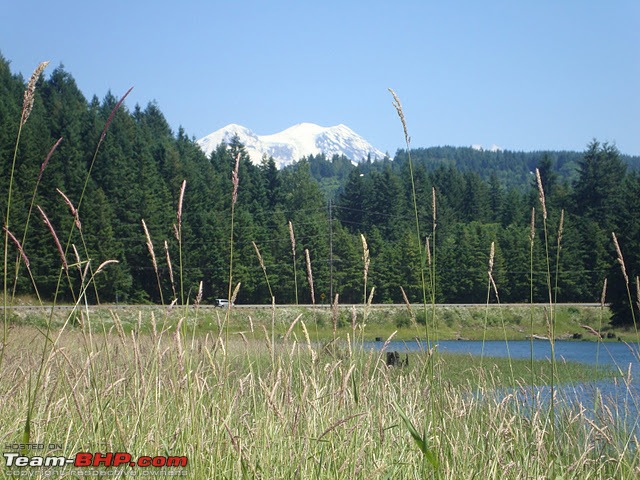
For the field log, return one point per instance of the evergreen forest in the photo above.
(330, 204)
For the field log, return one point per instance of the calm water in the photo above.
(592, 353)
(615, 392)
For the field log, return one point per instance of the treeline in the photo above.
(330, 204)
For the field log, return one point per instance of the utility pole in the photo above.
(330, 254)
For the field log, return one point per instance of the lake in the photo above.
(616, 394)
(591, 353)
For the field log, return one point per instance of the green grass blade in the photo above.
(420, 440)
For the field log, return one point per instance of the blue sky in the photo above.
(526, 75)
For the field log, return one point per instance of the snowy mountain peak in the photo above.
(297, 141)
(493, 148)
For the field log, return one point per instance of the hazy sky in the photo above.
(525, 75)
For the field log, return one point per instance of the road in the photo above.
(414, 306)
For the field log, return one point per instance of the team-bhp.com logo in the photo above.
(84, 461)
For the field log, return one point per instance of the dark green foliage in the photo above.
(481, 196)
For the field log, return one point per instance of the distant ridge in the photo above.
(290, 145)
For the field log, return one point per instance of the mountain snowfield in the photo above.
(295, 142)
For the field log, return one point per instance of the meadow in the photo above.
(292, 393)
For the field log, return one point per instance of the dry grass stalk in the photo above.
(178, 343)
(370, 299)
(150, 246)
(494, 286)
(604, 293)
(387, 342)
(27, 104)
(286, 335)
(74, 211)
(166, 249)
(398, 106)
(541, 195)
(235, 179)
(638, 292)
(199, 294)
(366, 259)
(78, 263)
(74, 395)
(492, 253)
(234, 294)
(592, 331)
(293, 239)
(310, 275)
(409, 309)
(308, 340)
(18, 246)
(154, 327)
(354, 320)
(427, 247)
(180, 201)
(560, 228)
(138, 361)
(548, 323)
(55, 238)
(255, 247)
(118, 323)
(491, 262)
(345, 380)
(532, 232)
(112, 115)
(269, 342)
(47, 158)
(433, 205)
(338, 423)
(620, 258)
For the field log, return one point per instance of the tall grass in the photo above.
(27, 106)
(246, 403)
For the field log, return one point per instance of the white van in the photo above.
(221, 302)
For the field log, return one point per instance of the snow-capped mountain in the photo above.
(292, 144)
(492, 148)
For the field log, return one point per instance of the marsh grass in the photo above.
(263, 397)
(311, 414)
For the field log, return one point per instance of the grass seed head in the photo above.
(398, 106)
(74, 210)
(55, 238)
(29, 93)
(18, 246)
(541, 194)
(150, 246)
(365, 257)
(310, 275)
(179, 212)
(433, 205)
(113, 114)
(235, 179)
(491, 256)
(173, 286)
(620, 258)
(293, 239)
(532, 232)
